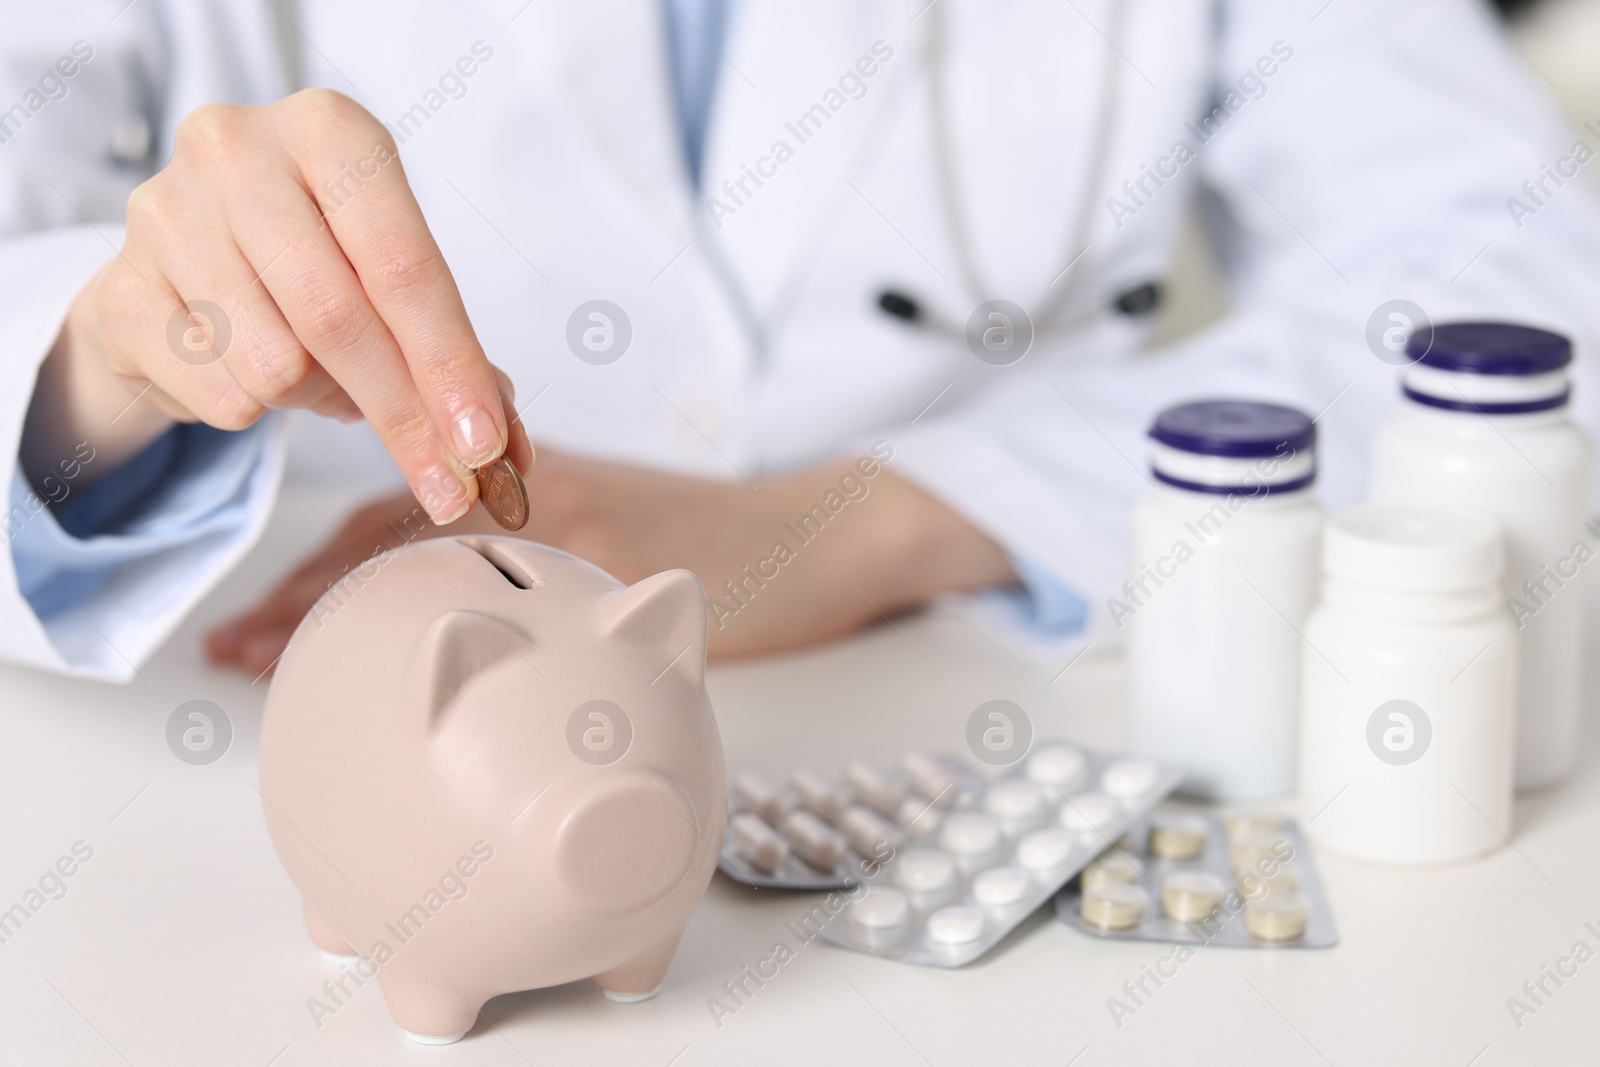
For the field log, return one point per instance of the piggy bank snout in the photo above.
(627, 844)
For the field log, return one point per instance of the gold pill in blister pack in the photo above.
(1114, 905)
(1236, 823)
(1190, 896)
(1114, 866)
(1281, 915)
(1246, 849)
(1265, 876)
(1177, 836)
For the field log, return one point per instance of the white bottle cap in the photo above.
(1404, 548)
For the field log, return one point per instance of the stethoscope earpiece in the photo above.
(898, 305)
(1135, 303)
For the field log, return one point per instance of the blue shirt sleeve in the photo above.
(1042, 604)
(97, 555)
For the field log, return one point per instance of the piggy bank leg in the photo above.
(324, 936)
(639, 978)
(430, 1008)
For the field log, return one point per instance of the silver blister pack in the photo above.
(1245, 879)
(819, 832)
(977, 856)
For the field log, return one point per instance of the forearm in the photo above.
(893, 549)
(806, 557)
(78, 398)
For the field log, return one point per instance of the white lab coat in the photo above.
(1377, 165)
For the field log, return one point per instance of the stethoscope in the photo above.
(1055, 313)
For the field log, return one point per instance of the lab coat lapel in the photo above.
(772, 185)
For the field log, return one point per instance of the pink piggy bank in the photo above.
(489, 766)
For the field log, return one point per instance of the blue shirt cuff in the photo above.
(187, 494)
(1042, 604)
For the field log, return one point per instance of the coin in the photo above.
(502, 493)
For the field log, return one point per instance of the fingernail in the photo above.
(442, 493)
(477, 438)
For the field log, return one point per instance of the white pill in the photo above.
(1129, 779)
(955, 926)
(929, 778)
(1044, 850)
(967, 833)
(917, 817)
(869, 835)
(880, 908)
(1015, 800)
(820, 794)
(1059, 765)
(816, 842)
(923, 870)
(875, 788)
(758, 842)
(1000, 886)
(1087, 813)
(755, 793)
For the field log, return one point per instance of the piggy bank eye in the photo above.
(627, 845)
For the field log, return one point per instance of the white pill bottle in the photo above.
(1409, 678)
(1223, 572)
(1484, 426)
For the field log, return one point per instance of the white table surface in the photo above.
(180, 941)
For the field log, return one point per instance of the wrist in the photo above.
(926, 549)
(78, 398)
(896, 544)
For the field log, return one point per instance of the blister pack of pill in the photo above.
(1244, 879)
(972, 857)
(819, 832)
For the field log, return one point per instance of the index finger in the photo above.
(349, 156)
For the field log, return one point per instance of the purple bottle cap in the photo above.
(1241, 429)
(1237, 446)
(1490, 348)
(1488, 368)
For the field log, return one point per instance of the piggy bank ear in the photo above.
(458, 646)
(665, 616)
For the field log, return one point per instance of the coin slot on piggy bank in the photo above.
(493, 767)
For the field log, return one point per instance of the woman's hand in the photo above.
(808, 556)
(279, 261)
